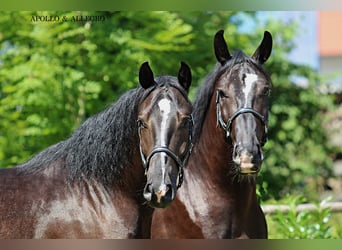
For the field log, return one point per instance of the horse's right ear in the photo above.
(221, 49)
(146, 77)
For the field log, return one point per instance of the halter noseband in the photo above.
(227, 126)
(164, 149)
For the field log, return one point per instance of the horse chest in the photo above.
(214, 209)
(88, 216)
(206, 206)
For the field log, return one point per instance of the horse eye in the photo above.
(141, 123)
(266, 91)
(222, 93)
(186, 120)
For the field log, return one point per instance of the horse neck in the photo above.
(132, 185)
(132, 179)
(212, 158)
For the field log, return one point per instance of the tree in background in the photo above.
(56, 74)
(298, 156)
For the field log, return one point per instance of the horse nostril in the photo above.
(236, 154)
(169, 192)
(148, 188)
(260, 154)
(235, 151)
(163, 197)
(148, 192)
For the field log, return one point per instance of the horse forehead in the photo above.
(164, 105)
(167, 101)
(158, 107)
(249, 80)
(171, 100)
(242, 78)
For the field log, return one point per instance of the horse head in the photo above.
(165, 130)
(242, 92)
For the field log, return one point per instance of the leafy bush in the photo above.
(298, 153)
(302, 225)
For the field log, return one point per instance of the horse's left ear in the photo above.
(263, 52)
(146, 77)
(184, 76)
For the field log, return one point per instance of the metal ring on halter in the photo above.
(227, 126)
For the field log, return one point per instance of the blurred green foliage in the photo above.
(301, 225)
(298, 156)
(56, 74)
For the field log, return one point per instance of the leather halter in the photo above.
(181, 163)
(227, 126)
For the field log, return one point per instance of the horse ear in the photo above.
(221, 49)
(263, 52)
(146, 77)
(184, 76)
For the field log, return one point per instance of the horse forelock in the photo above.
(171, 81)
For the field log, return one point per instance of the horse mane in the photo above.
(205, 92)
(104, 144)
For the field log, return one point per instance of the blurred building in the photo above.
(329, 37)
(330, 50)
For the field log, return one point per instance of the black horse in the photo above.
(218, 199)
(91, 185)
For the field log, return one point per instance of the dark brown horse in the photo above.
(218, 198)
(91, 185)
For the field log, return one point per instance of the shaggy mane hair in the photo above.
(104, 144)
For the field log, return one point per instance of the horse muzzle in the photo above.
(159, 197)
(247, 163)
